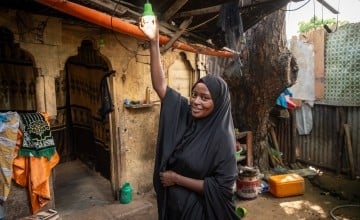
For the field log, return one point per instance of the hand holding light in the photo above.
(148, 23)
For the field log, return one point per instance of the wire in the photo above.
(112, 29)
(338, 207)
(203, 23)
(322, 13)
(297, 8)
(314, 15)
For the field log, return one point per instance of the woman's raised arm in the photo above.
(151, 30)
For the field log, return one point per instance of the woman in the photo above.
(195, 166)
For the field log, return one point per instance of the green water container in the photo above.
(125, 193)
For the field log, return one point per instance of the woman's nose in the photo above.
(196, 100)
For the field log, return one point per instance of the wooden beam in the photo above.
(104, 20)
(174, 8)
(115, 7)
(181, 30)
(196, 12)
(216, 8)
(120, 9)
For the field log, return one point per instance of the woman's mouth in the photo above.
(195, 109)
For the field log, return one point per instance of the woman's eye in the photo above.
(205, 98)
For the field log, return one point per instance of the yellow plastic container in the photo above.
(285, 185)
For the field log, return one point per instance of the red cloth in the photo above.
(289, 102)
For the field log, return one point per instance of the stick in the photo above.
(274, 138)
(339, 144)
(349, 150)
(249, 150)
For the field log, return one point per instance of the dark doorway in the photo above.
(17, 76)
(80, 131)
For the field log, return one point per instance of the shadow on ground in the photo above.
(81, 193)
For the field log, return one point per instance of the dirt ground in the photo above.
(323, 194)
(83, 194)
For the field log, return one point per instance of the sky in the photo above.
(349, 10)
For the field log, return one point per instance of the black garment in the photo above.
(197, 148)
(107, 105)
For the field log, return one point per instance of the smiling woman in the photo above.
(200, 101)
(195, 166)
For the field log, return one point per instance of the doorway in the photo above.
(82, 129)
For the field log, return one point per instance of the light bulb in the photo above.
(148, 15)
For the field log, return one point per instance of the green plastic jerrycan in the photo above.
(125, 193)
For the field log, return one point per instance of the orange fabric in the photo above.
(34, 173)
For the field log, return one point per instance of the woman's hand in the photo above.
(168, 178)
(150, 27)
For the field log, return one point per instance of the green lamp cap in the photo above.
(148, 10)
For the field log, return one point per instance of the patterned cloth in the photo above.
(9, 125)
(342, 67)
(35, 157)
(37, 138)
(34, 173)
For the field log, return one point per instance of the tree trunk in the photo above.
(268, 68)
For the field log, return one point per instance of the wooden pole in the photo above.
(340, 141)
(249, 153)
(294, 136)
(276, 145)
(349, 150)
(274, 138)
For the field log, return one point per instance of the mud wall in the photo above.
(133, 131)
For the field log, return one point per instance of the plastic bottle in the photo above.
(125, 193)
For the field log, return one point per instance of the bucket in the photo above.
(125, 194)
(247, 184)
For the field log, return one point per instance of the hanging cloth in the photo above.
(9, 125)
(304, 119)
(107, 105)
(37, 138)
(32, 168)
(231, 24)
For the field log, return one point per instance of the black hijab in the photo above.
(197, 148)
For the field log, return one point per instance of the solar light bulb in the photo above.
(148, 15)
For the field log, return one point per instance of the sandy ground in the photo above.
(315, 203)
(323, 194)
(83, 194)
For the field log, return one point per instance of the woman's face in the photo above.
(200, 101)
